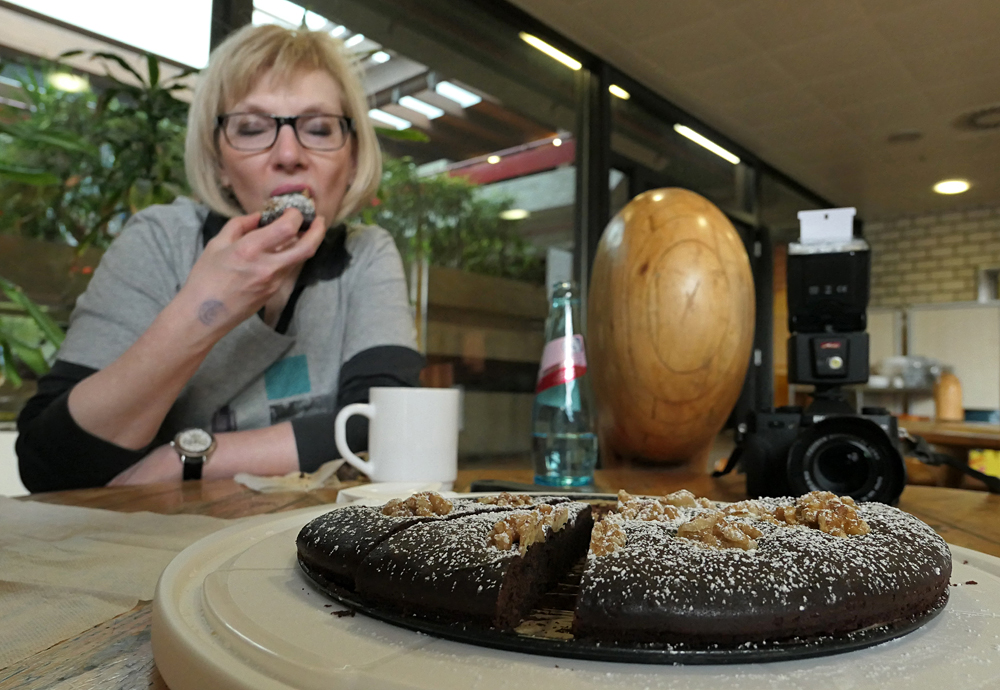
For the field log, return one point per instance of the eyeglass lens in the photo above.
(256, 132)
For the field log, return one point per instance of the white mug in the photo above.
(412, 434)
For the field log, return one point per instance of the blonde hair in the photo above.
(235, 68)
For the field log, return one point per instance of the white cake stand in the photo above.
(234, 612)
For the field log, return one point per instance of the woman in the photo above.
(198, 320)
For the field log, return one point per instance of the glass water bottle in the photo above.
(564, 444)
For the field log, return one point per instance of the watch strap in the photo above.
(192, 470)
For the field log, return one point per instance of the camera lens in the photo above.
(849, 456)
(843, 464)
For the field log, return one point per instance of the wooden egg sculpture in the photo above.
(670, 327)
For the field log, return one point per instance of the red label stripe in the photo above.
(554, 377)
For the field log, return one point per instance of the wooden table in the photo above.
(117, 654)
(956, 439)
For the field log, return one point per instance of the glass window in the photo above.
(666, 153)
(477, 129)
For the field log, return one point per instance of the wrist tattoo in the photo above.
(210, 311)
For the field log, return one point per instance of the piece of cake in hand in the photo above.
(282, 202)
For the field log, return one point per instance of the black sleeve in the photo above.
(383, 366)
(53, 452)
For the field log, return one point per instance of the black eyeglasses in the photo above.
(257, 132)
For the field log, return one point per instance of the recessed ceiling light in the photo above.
(389, 119)
(551, 51)
(493, 160)
(515, 214)
(707, 143)
(417, 105)
(951, 187)
(620, 92)
(354, 40)
(64, 81)
(463, 97)
(557, 142)
(338, 31)
(381, 57)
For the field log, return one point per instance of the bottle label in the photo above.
(563, 360)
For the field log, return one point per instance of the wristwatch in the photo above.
(195, 447)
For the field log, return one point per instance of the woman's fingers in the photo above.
(270, 237)
(237, 227)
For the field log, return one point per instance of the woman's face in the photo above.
(287, 166)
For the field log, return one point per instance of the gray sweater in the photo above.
(255, 376)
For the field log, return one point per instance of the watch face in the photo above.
(194, 440)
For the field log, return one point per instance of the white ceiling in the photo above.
(815, 87)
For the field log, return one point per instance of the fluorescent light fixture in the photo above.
(464, 98)
(64, 81)
(315, 22)
(354, 40)
(338, 31)
(620, 92)
(707, 143)
(514, 214)
(282, 9)
(389, 119)
(417, 105)
(381, 57)
(557, 142)
(951, 186)
(261, 18)
(493, 160)
(551, 51)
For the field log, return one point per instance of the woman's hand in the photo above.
(243, 266)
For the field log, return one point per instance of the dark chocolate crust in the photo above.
(451, 570)
(798, 582)
(279, 204)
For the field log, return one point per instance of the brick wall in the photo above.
(934, 258)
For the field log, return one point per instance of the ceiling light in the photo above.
(315, 22)
(388, 119)
(417, 105)
(557, 142)
(951, 187)
(354, 40)
(552, 52)
(707, 143)
(493, 160)
(380, 57)
(514, 214)
(620, 92)
(282, 9)
(338, 31)
(64, 81)
(464, 98)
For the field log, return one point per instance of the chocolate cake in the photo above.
(489, 567)
(335, 544)
(759, 570)
(277, 205)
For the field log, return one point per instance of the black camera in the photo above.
(829, 445)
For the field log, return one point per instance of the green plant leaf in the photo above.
(409, 134)
(7, 366)
(49, 328)
(63, 140)
(31, 356)
(121, 63)
(153, 65)
(32, 176)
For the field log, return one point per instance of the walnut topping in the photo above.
(825, 511)
(507, 499)
(423, 504)
(607, 536)
(525, 529)
(685, 499)
(718, 531)
(635, 508)
(752, 509)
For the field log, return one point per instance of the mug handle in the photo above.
(340, 435)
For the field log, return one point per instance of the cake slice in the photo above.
(489, 568)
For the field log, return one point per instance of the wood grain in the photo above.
(117, 654)
(670, 326)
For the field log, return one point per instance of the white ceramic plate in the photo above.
(233, 611)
